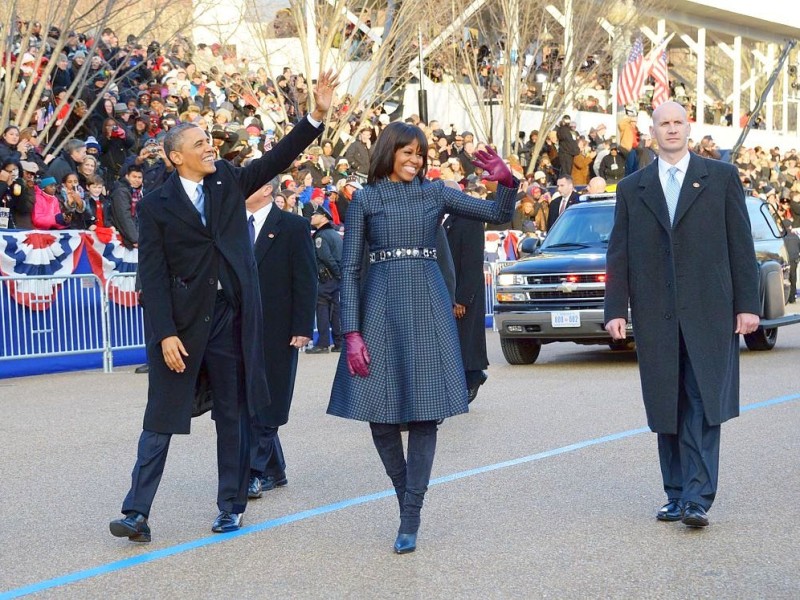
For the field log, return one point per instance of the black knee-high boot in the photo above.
(389, 444)
(421, 449)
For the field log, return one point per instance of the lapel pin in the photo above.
(695, 184)
(219, 183)
(271, 235)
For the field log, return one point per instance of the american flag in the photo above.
(632, 79)
(661, 77)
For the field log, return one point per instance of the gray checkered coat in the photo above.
(403, 310)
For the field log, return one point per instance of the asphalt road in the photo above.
(547, 489)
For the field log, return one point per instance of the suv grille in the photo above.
(562, 295)
(557, 279)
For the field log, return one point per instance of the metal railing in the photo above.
(123, 316)
(51, 316)
(77, 314)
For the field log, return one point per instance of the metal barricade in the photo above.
(123, 316)
(51, 315)
(488, 278)
(490, 271)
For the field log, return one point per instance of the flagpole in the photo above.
(615, 92)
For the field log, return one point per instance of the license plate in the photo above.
(565, 319)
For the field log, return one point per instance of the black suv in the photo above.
(556, 294)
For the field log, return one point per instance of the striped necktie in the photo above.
(672, 190)
(200, 202)
(251, 229)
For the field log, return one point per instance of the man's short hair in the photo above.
(567, 177)
(135, 168)
(174, 137)
(73, 145)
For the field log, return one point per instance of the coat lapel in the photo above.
(693, 183)
(268, 233)
(213, 187)
(178, 203)
(652, 194)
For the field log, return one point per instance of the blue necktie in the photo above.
(671, 192)
(200, 202)
(251, 229)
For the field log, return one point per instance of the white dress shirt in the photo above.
(680, 174)
(259, 217)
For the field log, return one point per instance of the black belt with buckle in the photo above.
(401, 253)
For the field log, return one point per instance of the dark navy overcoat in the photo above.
(694, 277)
(287, 275)
(178, 269)
(404, 310)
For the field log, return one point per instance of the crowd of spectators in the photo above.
(110, 124)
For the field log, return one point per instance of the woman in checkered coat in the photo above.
(402, 362)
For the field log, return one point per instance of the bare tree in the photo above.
(373, 65)
(24, 83)
(526, 45)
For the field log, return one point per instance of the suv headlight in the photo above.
(511, 279)
(513, 297)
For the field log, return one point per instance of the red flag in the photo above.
(661, 76)
(632, 78)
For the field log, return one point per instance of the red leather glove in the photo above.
(357, 355)
(495, 167)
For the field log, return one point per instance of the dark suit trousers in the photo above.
(266, 454)
(223, 359)
(328, 314)
(690, 459)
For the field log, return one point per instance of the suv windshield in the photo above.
(581, 228)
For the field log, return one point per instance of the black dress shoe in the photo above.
(134, 527)
(254, 488)
(226, 522)
(405, 543)
(336, 349)
(671, 511)
(472, 391)
(694, 515)
(145, 368)
(270, 482)
(318, 350)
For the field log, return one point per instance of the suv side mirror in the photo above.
(529, 245)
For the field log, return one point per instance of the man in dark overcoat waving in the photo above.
(681, 252)
(203, 310)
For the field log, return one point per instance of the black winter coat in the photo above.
(287, 276)
(691, 278)
(466, 241)
(178, 268)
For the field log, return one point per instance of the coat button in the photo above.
(207, 319)
(668, 252)
(669, 284)
(667, 316)
(211, 281)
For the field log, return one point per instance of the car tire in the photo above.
(520, 351)
(761, 339)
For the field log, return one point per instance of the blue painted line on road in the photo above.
(328, 508)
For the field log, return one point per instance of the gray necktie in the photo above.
(672, 190)
(199, 202)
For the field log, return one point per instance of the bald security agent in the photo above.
(287, 277)
(681, 252)
(203, 311)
